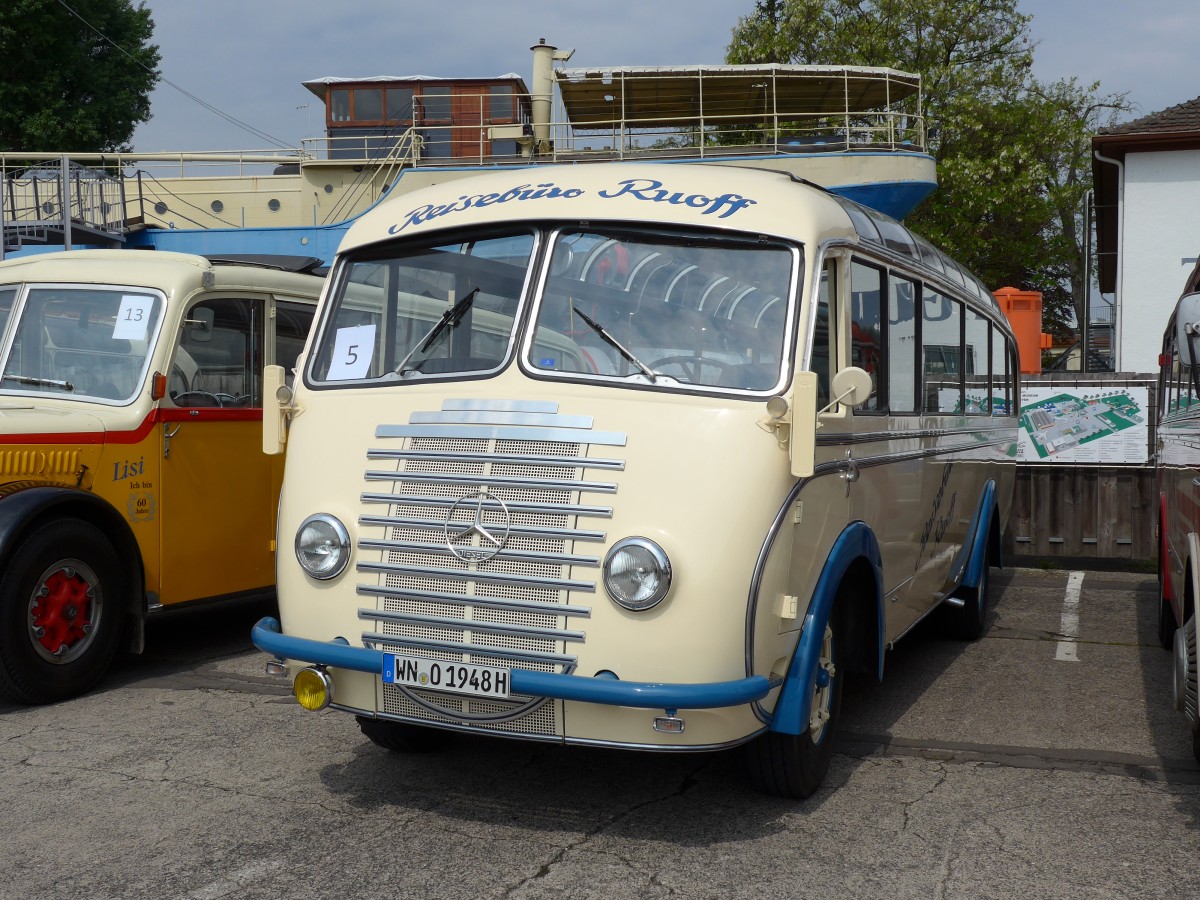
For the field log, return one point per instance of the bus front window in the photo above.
(82, 342)
(674, 310)
(445, 309)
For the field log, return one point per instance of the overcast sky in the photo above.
(247, 58)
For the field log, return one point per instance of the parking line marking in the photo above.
(1068, 627)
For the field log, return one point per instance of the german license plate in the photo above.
(442, 675)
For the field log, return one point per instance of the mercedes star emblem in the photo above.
(492, 536)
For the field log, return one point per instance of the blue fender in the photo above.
(976, 544)
(856, 542)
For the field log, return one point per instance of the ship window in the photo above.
(399, 104)
(368, 104)
(501, 107)
(339, 106)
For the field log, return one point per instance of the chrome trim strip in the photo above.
(529, 406)
(866, 437)
(497, 417)
(553, 584)
(530, 606)
(565, 462)
(510, 433)
(535, 556)
(867, 462)
(660, 748)
(396, 640)
(474, 626)
(493, 481)
(553, 738)
(565, 509)
(532, 531)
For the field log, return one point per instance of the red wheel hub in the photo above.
(62, 614)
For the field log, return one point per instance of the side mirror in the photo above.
(277, 397)
(200, 325)
(1187, 329)
(851, 386)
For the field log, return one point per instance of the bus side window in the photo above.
(1001, 403)
(902, 349)
(866, 331)
(941, 349)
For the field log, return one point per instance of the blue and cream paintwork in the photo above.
(905, 510)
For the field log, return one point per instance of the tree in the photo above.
(1013, 154)
(74, 77)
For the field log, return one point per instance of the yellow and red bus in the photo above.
(132, 479)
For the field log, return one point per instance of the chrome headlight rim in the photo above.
(662, 566)
(340, 544)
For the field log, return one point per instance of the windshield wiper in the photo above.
(450, 318)
(617, 345)
(40, 382)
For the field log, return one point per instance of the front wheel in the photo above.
(60, 613)
(794, 765)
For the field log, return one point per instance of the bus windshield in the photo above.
(668, 308)
(427, 310)
(81, 342)
(675, 310)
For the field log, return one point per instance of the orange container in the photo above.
(1023, 309)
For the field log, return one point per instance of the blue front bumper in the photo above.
(644, 695)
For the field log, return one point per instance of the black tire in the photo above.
(794, 765)
(969, 622)
(63, 586)
(1196, 743)
(400, 737)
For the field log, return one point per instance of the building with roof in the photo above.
(1146, 175)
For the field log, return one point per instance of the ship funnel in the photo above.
(542, 91)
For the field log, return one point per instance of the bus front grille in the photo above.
(479, 543)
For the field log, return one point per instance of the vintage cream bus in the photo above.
(1177, 478)
(638, 456)
(132, 479)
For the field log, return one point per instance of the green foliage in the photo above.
(63, 87)
(1014, 155)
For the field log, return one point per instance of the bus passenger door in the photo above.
(217, 516)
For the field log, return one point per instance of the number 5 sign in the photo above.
(352, 351)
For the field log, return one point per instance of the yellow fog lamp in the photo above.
(313, 688)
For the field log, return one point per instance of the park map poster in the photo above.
(1101, 426)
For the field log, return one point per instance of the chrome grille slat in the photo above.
(524, 606)
(566, 462)
(494, 481)
(443, 550)
(476, 477)
(561, 584)
(398, 640)
(568, 534)
(568, 509)
(474, 626)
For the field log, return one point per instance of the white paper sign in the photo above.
(133, 318)
(352, 351)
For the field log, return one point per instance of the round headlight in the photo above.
(637, 573)
(322, 546)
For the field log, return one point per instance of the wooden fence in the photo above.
(1102, 512)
